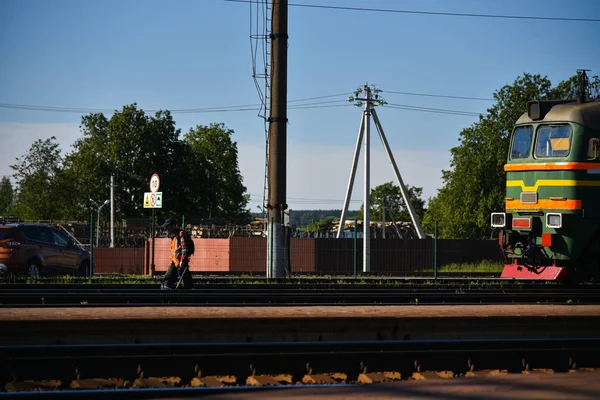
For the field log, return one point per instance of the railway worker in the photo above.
(182, 249)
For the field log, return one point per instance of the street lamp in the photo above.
(98, 222)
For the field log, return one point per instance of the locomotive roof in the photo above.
(586, 114)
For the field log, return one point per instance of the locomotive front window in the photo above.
(553, 141)
(521, 142)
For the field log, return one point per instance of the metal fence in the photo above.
(312, 256)
(236, 249)
(119, 261)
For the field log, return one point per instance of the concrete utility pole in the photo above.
(365, 130)
(367, 193)
(277, 205)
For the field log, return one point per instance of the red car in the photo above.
(31, 249)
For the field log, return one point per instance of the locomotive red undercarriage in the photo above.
(522, 271)
(531, 263)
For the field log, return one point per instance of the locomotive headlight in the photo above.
(498, 220)
(554, 220)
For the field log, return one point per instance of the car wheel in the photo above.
(84, 268)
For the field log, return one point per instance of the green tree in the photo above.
(321, 225)
(474, 186)
(304, 218)
(389, 197)
(6, 195)
(199, 173)
(216, 187)
(37, 175)
(131, 146)
(569, 89)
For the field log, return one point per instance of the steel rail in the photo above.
(354, 285)
(187, 360)
(156, 393)
(330, 284)
(88, 295)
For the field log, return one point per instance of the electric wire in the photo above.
(262, 31)
(254, 107)
(437, 95)
(241, 108)
(302, 103)
(84, 110)
(436, 13)
(431, 110)
(305, 200)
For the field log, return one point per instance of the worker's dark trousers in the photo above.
(172, 276)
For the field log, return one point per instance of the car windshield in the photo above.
(59, 238)
(521, 142)
(8, 233)
(553, 141)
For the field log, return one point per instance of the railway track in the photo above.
(128, 369)
(281, 295)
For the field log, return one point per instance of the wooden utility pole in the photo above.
(277, 202)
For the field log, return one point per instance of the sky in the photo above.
(197, 54)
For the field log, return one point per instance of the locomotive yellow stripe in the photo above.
(550, 182)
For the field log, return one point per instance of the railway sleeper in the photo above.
(259, 380)
(379, 377)
(311, 360)
(95, 384)
(325, 378)
(214, 381)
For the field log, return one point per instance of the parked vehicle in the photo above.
(31, 249)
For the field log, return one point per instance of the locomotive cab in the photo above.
(551, 223)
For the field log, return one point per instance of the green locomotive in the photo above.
(551, 225)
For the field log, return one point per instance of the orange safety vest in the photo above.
(175, 258)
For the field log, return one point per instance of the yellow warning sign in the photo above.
(153, 200)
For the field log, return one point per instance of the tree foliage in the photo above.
(199, 175)
(6, 195)
(474, 186)
(212, 159)
(388, 197)
(321, 225)
(131, 146)
(306, 218)
(40, 179)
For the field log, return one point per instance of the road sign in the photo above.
(154, 183)
(153, 200)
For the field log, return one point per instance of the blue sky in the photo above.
(184, 54)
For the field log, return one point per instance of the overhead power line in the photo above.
(250, 107)
(321, 97)
(297, 104)
(305, 200)
(446, 14)
(243, 107)
(431, 110)
(438, 95)
(234, 109)
(254, 107)
(52, 108)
